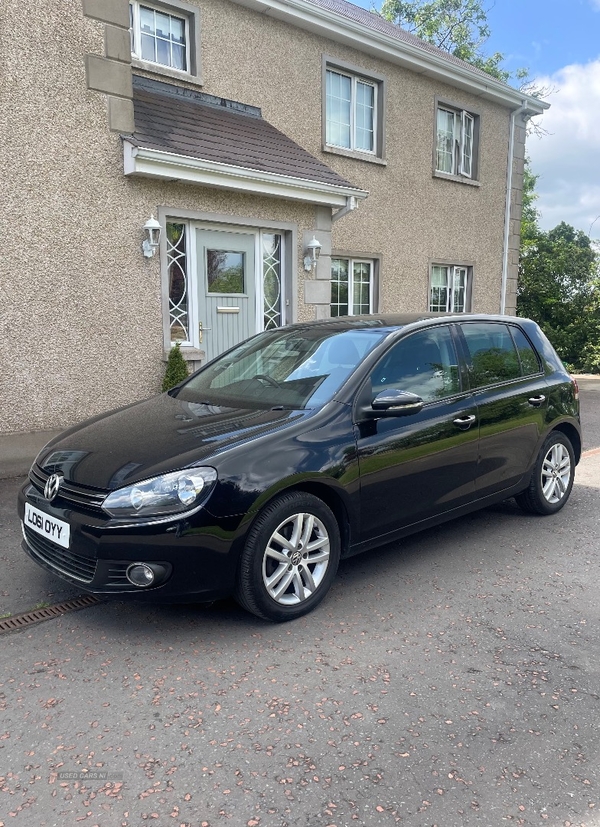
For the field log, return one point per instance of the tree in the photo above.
(559, 285)
(459, 27)
(176, 370)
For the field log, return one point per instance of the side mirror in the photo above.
(393, 402)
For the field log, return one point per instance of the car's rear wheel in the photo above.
(290, 558)
(552, 478)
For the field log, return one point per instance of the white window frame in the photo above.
(191, 14)
(453, 271)
(462, 164)
(355, 79)
(351, 263)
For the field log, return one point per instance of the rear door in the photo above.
(416, 466)
(511, 395)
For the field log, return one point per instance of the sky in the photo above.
(558, 41)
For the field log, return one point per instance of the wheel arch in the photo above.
(573, 436)
(327, 493)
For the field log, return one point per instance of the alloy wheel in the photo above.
(556, 473)
(296, 558)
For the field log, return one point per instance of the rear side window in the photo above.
(494, 357)
(527, 355)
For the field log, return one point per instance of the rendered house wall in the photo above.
(81, 307)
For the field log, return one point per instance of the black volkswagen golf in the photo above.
(301, 446)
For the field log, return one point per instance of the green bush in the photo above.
(177, 369)
(590, 358)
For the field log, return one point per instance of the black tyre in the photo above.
(552, 478)
(290, 558)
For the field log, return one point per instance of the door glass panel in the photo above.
(493, 354)
(178, 282)
(271, 251)
(529, 359)
(424, 363)
(225, 271)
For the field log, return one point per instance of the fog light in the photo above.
(140, 574)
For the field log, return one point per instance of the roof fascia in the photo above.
(154, 163)
(327, 23)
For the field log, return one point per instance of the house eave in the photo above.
(327, 23)
(153, 163)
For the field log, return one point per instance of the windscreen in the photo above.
(292, 368)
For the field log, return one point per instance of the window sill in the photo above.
(190, 354)
(165, 71)
(355, 154)
(459, 179)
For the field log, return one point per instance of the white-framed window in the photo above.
(165, 37)
(351, 109)
(455, 142)
(352, 286)
(450, 288)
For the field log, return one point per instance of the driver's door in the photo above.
(415, 466)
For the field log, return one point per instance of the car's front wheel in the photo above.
(552, 478)
(290, 558)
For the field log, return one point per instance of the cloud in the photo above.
(568, 159)
(595, 4)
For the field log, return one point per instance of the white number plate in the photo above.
(56, 530)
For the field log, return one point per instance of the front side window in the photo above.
(424, 363)
(351, 112)
(351, 287)
(455, 142)
(449, 289)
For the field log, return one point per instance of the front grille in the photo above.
(61, 559)
(69, 493)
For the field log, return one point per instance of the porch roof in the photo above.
(187, 135)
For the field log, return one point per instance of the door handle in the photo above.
(465, 422)
(201, 331)
(536, 401)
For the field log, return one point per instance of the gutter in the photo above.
(509, 177)
(351, 205)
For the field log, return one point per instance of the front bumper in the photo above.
(199, 553)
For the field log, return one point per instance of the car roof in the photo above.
(395, 321)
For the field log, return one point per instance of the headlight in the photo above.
(170, 494)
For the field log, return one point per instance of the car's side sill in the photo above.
(391, 536)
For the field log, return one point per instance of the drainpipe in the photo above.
(351, 204)
(509, 177)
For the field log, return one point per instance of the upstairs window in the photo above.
(456, 138)
(165, 37)
(352, 112)
(351, 117)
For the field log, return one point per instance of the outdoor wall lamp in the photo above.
(152, 230)
(313, 251)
